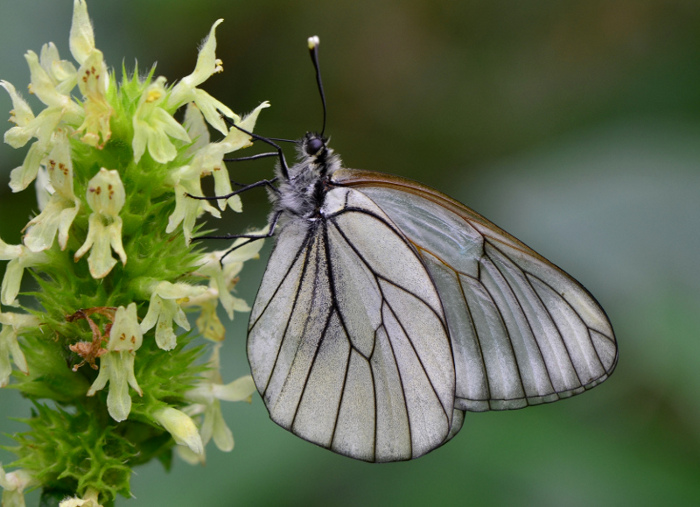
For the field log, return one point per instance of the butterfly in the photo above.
(387, 310)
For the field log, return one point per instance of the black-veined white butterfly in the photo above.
(388, 309)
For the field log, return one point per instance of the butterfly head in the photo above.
(314, 154)
(314, 145)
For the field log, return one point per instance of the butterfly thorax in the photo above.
(309, 179)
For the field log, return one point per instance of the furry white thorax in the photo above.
(309, 180)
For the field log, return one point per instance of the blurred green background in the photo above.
(573, 125)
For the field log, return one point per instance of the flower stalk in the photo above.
(102, 344)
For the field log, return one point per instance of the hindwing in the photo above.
(523, 331)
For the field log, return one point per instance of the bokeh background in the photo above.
(573, 125)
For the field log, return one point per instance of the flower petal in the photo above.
(118, 398)
(21, 113)
(82, 37)
(106, 197)
(93, 84)
(195, 126)
(14, 484)
(241, 389)
(43, 86)
(235, 139)
(212, 110)
(126, 334)
(22, 176)
(216, 427)
(207, 63)
(181, 427)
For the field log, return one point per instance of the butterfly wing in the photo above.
(347, 341)
(523, 331)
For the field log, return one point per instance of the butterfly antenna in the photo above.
(313, 50)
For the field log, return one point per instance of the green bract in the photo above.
(95, 347)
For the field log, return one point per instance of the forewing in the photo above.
(523, 331)
(348, 342)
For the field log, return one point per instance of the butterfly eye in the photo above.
(314, 146)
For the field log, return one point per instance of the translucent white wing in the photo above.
(523, 331)
(347, 340)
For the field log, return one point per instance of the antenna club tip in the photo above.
(313, 42)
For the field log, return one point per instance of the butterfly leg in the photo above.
(261, 183)
(252, 157)
(283, 162)
(250, 237)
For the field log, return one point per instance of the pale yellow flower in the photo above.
(13, 485)
(206, 398)
(154, 126)
(181, 427)
(208, 323)
(186, 90)
(117, 365)
(44, 189)
(13, 325)
(62, 72)
(207, 158)
(90, 499)
(22, 116)
(165, 308)
(222, 274)
(187, 180)
(62, 206)
(20, 257)
(51, 81)
(82, 36)
(106, 197)
(93, 78)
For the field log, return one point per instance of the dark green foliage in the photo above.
(76, 449)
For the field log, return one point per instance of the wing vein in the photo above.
(331, 284)
(556, 325)
(286, 326)
(588, 328)
(380, 277)
(385, 301)
(552, 318)
(420, 360)
(311, 367)
(505, 328)
(301, 249)
(476, 333)
(403, 390)
(342, 396)
(524, 313)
